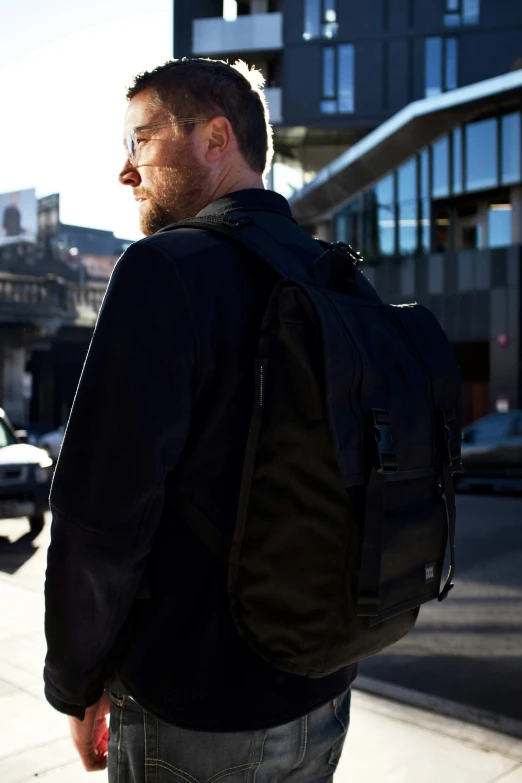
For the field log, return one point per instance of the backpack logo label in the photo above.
(429, 572)
(260, 382)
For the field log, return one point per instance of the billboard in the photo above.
(98, 266)
(18, 216)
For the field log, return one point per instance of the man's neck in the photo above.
(231, 184)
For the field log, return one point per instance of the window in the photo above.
(461, 12)
(425, 204)
(329, 72)
(385, 216)
(481, 154)
(433, 66)
(329, 102)
(346, 78)
(347, 225)
(338, 80)
(457, 160)
(330, 26)
(379, 220)
(470, 11)
(441, 224)
(341, 228)
(450, 64)
(408, 207)
(229, 10)
(452, 15)
(320, 18)
(6, 437)
(499, 225)
(312, 19)
(440, 168)
(510, 149)
(489, 429)
(435, 80)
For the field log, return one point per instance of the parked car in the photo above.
(25, 477)
(52, 442)
(492, 452)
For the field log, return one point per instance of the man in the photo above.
(137, 610)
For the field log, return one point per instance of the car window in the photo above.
(516, 430)
(489, 429)
(6, 436)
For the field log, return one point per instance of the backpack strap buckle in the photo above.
(354, 255)
(386, 457)
(450, 456)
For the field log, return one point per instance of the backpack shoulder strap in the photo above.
(242, 230)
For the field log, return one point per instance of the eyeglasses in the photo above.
(132, 142)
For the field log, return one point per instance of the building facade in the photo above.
(337, 69)
(51, 288)
(397, 128)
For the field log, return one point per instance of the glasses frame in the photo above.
(131, 142)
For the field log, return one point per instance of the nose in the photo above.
(129, 175)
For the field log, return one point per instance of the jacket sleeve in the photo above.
(127, 428)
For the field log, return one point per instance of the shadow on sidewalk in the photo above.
(13, 554)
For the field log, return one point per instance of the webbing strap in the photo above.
(451, 516)
(204, 529)
(371, 553)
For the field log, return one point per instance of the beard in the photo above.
(175, 194)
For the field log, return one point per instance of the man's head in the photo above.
(209, 136)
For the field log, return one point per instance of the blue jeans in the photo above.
(143, 749)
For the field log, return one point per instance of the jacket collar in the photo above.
(251, 199)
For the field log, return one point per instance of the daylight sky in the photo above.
(64, 67)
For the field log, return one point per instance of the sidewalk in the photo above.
(387, 742)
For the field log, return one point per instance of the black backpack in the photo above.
(347, 502)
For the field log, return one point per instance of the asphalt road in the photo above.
(469, 647)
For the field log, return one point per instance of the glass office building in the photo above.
(453, 195)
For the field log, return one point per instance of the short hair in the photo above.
(198, 87)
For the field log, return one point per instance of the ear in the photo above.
(220, 139)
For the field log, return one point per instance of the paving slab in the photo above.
(388, 748)
(513, 777)
(71, 773)
(25, 722)
(38, 761)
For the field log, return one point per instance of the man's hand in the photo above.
(91, 735)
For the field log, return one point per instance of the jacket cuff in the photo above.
(74, 710)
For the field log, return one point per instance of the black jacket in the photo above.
(163, 406)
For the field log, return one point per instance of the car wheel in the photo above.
(37, 524)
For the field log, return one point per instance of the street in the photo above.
(469, 648)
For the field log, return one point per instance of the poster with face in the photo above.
(18, 216)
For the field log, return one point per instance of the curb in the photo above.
(446, 707)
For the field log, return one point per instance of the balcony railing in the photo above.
(253, 32)
(24, 298)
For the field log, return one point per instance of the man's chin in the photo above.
(152, 221)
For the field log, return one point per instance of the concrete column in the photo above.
(14, 398)
(324, 231)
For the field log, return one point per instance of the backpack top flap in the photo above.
(372, 363)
